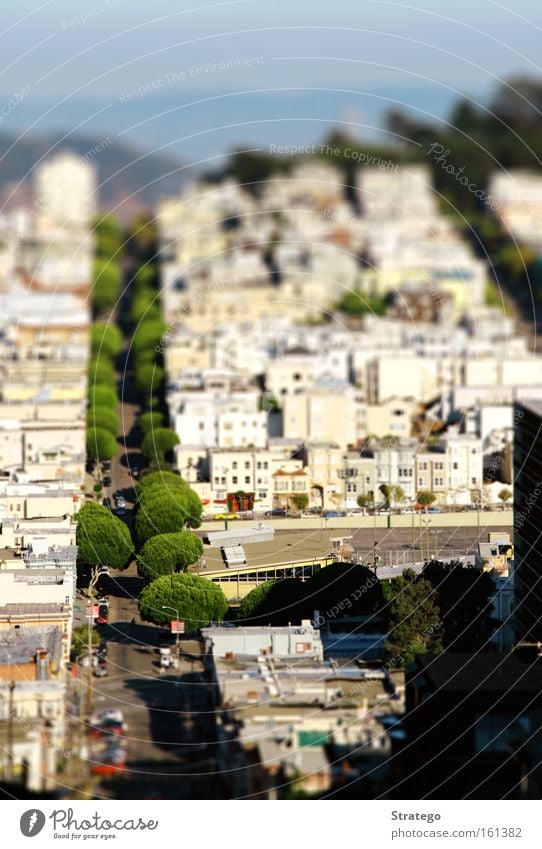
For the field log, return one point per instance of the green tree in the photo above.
(149, 378)
(102, 373)
(365, 500)
(357, 304)
(149, 422)
(167, 511)
(425, 497)
(162, 480)
(168, 553)
(463, 595)
(108, 234)
(103, 418)
(102, 539)
(107, 284)
(413, 618)
(157, 443)
(101, 444)
(343, 589)
(79, 646)
(197, 600)
(105, 339)
(301, 501)
(148, 335)
(102, 396)
(504, 496)
(273, 602)
(145, 306)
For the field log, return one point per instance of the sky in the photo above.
(281, 69)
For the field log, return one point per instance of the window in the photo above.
(234, 479)
(234, 464)
(201, 426)
(455, 465)
(247, 465)
(474, 480)
(247, 479)
(265, 465)
(258, 465)
(439, 466)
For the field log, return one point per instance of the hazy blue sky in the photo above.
(77, 59)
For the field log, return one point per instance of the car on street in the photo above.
(218, 517)
(100, 671)
(278, 511)
(106, 480)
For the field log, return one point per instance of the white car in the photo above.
(109, 714)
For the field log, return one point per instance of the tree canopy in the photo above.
(413, 618)
(150, 421)
(164, 510)
(165, 554)
(102, 539)
(425, 497)
(463, 595)
(101, 444)
(197, 600)
(103, 418)
(105, 338)
(102, 396)
(159, 442)
(149, 378)
(273, 602)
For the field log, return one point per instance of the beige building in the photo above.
(321, 415)
(392, 417)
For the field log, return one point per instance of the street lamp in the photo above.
(176, 612)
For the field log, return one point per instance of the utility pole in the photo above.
(9, 740)
(177, 646)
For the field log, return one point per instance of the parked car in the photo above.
(222, 516)
(333, 514)
(278, 511)
(106, 502)
(434, 510)
(100, 671)
(106, 480)
(106, 465)
(120, 511)
(103, 613)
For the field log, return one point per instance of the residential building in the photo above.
(528, 519)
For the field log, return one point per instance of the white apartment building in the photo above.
(241, 470)
(395, 461)
(453, 471)
(65, 194)
(229, 422)
(387, 194)
(298, 370)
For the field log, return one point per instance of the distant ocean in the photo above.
(203, 126)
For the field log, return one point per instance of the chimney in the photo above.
(42, 665)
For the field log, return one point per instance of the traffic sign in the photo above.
(177, 626)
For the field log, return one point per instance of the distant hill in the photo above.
(129, 178)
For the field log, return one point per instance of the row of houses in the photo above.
(45, 274)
